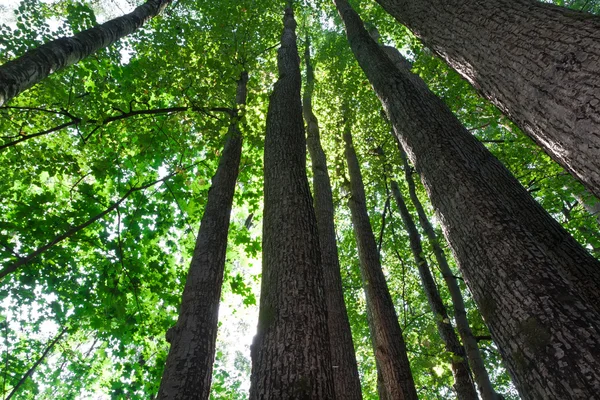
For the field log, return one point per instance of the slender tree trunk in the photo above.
(386, 334)
(537, 62)
(480, 373)
(291, 352)
(188, 370)
(537, 289)
(465, 389)
(343, 358)
(35, 65)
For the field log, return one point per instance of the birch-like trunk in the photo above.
(536, 288)
(539, 63)
(188, 370)
(25, 71)
(291, 350)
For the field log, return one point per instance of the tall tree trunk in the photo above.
(386, 334)
(465, 389)
(24, 72)
(188, 370)
(537, 62)
(291, 353)
(537, 289)
(480, 373)
(343, 358)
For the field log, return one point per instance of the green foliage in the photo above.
(133, 134)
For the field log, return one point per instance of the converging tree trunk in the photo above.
(537, 62)
(465, 389)
(291, 351)
(188, 370)
(390, 351)
(35, 65)
(480, 374)
(536, 287)
(343, 358)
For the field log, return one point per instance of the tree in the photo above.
(107, 166)
(27, 70)
(390, 351)
(292, 337)
(515, 270)
(188, 370)
(464, 386)
(480, 374)
(509, 52)
(345, 372)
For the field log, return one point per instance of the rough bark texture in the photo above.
(24, 72)
(465, 389)
(535, 286)
(480, 374)
(537, 62)
(386, 334)
(188, 370)
(290, 353)
(343, 358)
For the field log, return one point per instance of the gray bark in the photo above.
(390, 351)
(537, 288)
(291, 350)
(465, 389)
(188, 370)
(480, 374)
(343, 358)
(22, 73)
(539, 63)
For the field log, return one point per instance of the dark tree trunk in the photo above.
(188, 369)
(35, 65)
(537, 289)
(537, 62)
(480, 374)
(465, 389)
(390, 351)
(290, 354)
(343, 358)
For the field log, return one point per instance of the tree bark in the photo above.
(345, 370)
(291, 351)
(188, 370)
(386, 334)
(537, 288)
(465, 389)
(480, 374)
(537, 62)
(35, 65)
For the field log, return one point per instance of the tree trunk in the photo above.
(386, 334)
(35, 65)
(345, 370)
(480, 373)
(537, 289)
(537, 62)
(465, 389)
(290, 353)
(188, 370)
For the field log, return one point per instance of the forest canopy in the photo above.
(107, 168)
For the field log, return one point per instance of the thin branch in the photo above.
(31, 370)
(123, 115)
(75, 229)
